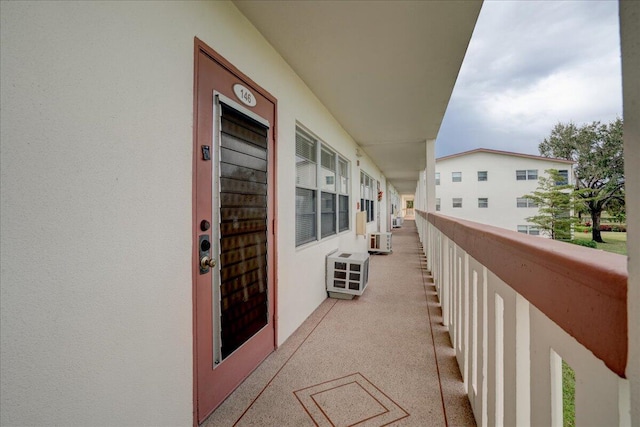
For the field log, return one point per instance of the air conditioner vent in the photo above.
(347, 278)
(380, 243)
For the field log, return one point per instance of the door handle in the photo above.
(206, 262)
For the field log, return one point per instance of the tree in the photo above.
(554, 202)
(596, 150)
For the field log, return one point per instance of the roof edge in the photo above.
(504, 153)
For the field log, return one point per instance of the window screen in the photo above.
(320, 204)
(305, 216)
(367, 195)
(564, 177)
(305, 160)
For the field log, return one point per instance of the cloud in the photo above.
(530, 65)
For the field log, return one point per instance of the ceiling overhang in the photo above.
(385, 70)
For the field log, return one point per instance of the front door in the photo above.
(233, 229)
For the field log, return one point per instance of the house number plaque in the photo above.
(244, 95)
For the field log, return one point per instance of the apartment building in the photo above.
(488, 186)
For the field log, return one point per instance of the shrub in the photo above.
(618, 228)
(582, 229)
(605, 227)
(582, 242)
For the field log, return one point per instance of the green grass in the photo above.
(614, 242)
(568, 395)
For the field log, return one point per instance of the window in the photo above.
(367, 195)
(306, 177)
(322, 190)
(456, 176)
(483, 202)
(343, 194)
(529, 229)
(457, 202)
(482, 175)
(523, 202)
(564, 177)
(437, 178)
(528, 174)
(437, 204)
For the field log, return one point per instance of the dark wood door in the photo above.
(233, 229)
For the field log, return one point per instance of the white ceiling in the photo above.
(385, 69)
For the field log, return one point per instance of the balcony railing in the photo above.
(516, 306)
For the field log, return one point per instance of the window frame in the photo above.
(485, 203)
(525, 202)
(323, 189)
(368, 195)
(456, 176)
(438, 206)
(564, 173)
(437, 178)
(526, 174)
(482, 178)
(532, 230)
(453, 202)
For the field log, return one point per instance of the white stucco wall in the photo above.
(96, 167)
(501, 188)
(630, 41)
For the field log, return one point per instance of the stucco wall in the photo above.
(501, 188)
(630, 41)
(96, 166)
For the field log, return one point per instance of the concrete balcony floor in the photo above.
(380, 359)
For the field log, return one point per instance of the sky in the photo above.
(530, 65)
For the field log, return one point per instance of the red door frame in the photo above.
(201, 48)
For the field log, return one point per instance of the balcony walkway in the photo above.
(380, 359)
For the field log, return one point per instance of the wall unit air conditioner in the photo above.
(347, 274)
(380, 242)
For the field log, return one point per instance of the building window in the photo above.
(437, 204)
(528, 174)
(457, 202)
(343, 194)
(367, 195)
(456, 176)
(564, 177)
(437, 178)
(482, 175)
(483, 202)
(328, 221)
(322, 197)
(523, 202)
(529, 229)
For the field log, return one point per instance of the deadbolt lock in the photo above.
(204, 254)
(206, 262)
